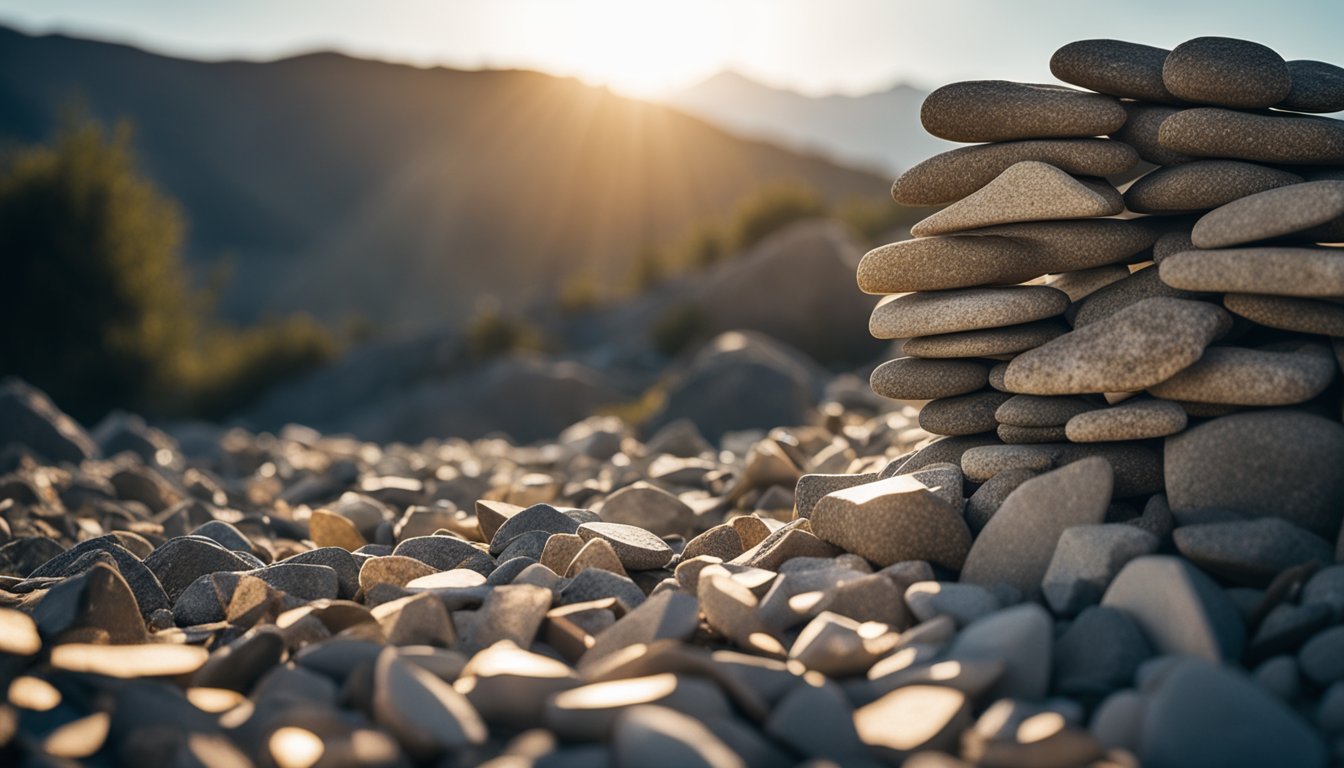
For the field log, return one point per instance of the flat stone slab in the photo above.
(1260, 138)
(1140, 345)
(1241, 376)
(987, 342)
(1288, 313)
(1026, 191)
(1269, 214)
(913, 378)
(1202, 185)
(998, 110)
(1227, 72)
(962, 415)
(966, 309)
(942, 263)
(1130, 420)
(1114, 67)
(1276, 271)
(948, 177)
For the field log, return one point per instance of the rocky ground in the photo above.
(1124, 548)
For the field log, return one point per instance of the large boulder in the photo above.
(797, 286)
(30, 421)
(742, 380)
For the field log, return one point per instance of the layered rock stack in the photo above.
(1181, 329)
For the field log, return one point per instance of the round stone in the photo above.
(1202, 185)
(1261, 138)
(1114, 67)
(1268, 214)
(1317, 87)
(1034, 411)
(1017, 543)
(963, 415)
(1276, 271)
(1021, 637)
(1015, 435)
(1130, 420)
(1026, 191)
(913, 719)
(948, 177)
(1288, 313)
(1322, 657)
(1138, 346)
(1141, 131)
(966, 309)
(1227, 72)
(638, 549)
(913, 378)
(1294, 458)
(1240, 376)
(893, 520)
(998, 110)
(1204, 714)
(1067, 246)
(940, 263)
(988, 342)
(1251, 551)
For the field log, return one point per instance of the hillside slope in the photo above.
(356, 188)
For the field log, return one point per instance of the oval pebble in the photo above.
(1227, 72)
(1240, 376)
(998, 110)
(913, 378)
(963, 415)
(941, 263)
(1269, 214)
(1261, 138)
(1288, 313)
(1317, 87)
(950, 176)
(1142, 129)
(1115, 67)
(928, 313)
(1130, 420)
(987, 342)
(1202, 185)
(1277, 271)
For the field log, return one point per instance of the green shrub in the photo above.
(233, 367)
(772, 209)
(99, 311)
(491, 333)
(578, 294)
(678, 328)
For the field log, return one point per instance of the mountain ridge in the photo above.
(348, 187)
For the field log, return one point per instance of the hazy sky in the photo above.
(640, 47)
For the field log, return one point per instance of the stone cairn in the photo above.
(1126, 319)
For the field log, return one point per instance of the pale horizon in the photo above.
(649, 49)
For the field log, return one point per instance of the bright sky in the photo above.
(641, 47)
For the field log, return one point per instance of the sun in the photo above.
(640, 48)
